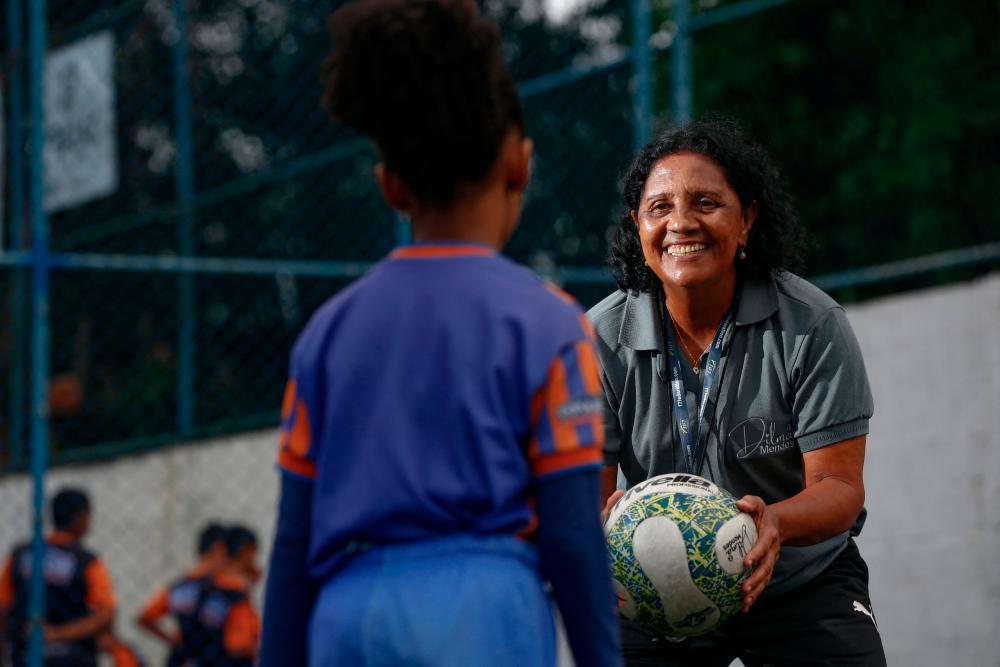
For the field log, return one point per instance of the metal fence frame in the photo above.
(40, 261)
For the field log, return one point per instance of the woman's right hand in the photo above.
(609, 503)
(764, 553)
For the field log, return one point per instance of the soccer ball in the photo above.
(677, 544)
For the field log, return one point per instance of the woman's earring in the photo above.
(743, 252)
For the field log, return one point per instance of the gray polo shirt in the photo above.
(792, 380)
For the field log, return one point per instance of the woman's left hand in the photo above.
(764, 553)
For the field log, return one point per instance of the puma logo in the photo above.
(861, 608)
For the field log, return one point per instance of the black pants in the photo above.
(826, 622)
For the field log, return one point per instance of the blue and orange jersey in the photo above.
(227, 613)
(66, 563)
(77, 583)
(216, 620)
(426, 398)
(177, 598)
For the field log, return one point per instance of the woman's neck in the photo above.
(697, 311)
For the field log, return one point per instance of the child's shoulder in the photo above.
(538, 290)
(326, 316)
(544, 310)
(489, 279)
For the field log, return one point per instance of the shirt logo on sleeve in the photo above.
(757, 437)
(295, 439)
(581, 408)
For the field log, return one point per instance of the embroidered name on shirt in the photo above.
(761, 437)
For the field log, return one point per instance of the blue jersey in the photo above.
(425, 400)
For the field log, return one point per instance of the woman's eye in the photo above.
(706, 203)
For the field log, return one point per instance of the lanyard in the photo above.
(694, 443)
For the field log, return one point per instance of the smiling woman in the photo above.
(717, 360)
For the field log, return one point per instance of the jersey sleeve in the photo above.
(7, 585)
(157, 607)
(567, 412)
(833, 400)
(573, 558)
(100, 592)
(296, 445)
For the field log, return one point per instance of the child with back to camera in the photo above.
(441, 434)
(80, 601)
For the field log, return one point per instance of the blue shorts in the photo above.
(461, 601)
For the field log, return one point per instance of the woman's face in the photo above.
(691, 223)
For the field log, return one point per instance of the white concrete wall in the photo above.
(148, 510)
(932, 474)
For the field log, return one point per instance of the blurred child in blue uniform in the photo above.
(441, 432)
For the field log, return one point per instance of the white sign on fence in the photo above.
(81, 155)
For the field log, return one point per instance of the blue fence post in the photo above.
(642, 96)
(680, 60)
(186, 312)
(15, 151)
(39, 322)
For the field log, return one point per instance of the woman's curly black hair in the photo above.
(776, 242)
(424, 79)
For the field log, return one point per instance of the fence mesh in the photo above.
(222, 153)
(241, 162)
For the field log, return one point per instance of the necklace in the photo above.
(695, 359)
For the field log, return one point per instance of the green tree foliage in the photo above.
(884, 116)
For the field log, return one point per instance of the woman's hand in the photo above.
(608, 504)
(764, 553)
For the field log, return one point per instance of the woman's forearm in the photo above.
(833, 496)
(819, 512)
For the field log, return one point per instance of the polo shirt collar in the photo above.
(642, 322)
(758, 301)
(642, 327)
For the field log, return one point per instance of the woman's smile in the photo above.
(686, 249)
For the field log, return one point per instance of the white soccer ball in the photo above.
(677, 544)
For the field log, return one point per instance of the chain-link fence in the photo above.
(198, 206)
(222, 156)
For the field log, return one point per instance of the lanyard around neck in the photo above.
(693, 442)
